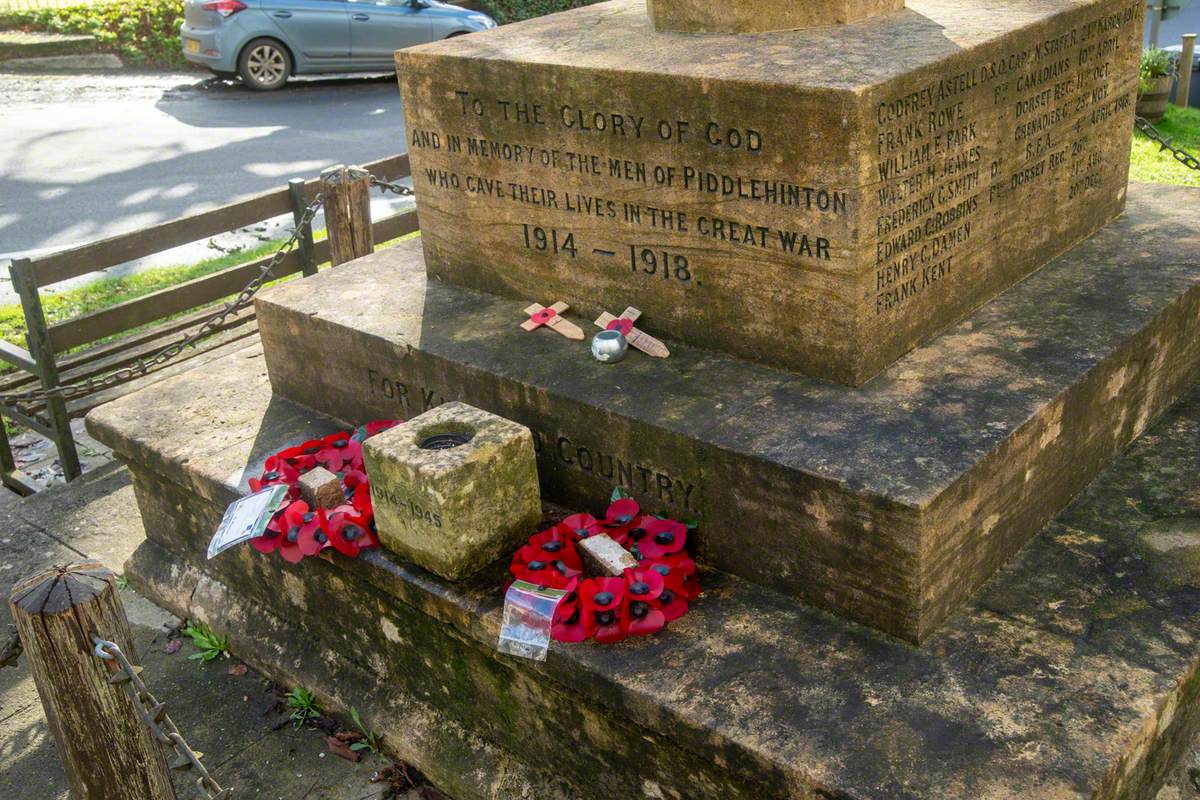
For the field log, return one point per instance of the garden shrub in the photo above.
(141, 32)
(517, 10)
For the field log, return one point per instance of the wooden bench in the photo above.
(95, 344)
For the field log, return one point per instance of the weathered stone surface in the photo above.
(821, 200)
(603, 556)
(888, 504)
(748, 16)
(321, 488)
(454, 508)
(1073, 674)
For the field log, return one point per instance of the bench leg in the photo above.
(64, 440)
(9, 474)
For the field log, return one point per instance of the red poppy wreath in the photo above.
(640, 602)
(296, 530)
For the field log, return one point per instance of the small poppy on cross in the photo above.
(553, 319)
(624, 323)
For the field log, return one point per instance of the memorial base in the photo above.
(1073, 673)
(888, 504)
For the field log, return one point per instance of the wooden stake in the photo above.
(639, 339)
(553, 319)
(106, 750)
(346, 197)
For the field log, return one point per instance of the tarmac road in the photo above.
(88, 156)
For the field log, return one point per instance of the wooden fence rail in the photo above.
(41, 366)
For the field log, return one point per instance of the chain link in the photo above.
(1164, 143)
(243, 298)
(389, 186)
(154, 715)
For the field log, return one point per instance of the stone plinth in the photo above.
(1073, 674)
(888, 504)
(751, 16)
(821, 201)
(454, 489)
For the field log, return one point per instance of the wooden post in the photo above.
(105, 748)
(37, 337)
(308, 256)
(347, 193)
(1183, 88)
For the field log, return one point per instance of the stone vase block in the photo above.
(750, 16)
(822, 200)
(454, 489)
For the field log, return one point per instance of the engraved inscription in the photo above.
(941, 182)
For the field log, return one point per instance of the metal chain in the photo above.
(210, 325)
(1164, 143)
(389, 186)
(154, 714)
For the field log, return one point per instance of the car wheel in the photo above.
(264, 65)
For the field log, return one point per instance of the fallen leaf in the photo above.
(238, 670)
(172, 646)
(339, 749)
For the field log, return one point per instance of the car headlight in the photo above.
(482, 19)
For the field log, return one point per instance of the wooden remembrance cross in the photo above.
(624, 323)
(552, 318)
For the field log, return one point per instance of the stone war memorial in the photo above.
(896, 324)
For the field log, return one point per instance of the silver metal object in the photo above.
(609, 347)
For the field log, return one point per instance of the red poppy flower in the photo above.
(570, 623)
(680, 585)
(275, 471)
(339, 452)
(303, 456)
(602, 599)
(622, 513)
(300, 526)
(663, 537)
(349, 532)
(681, 574)
(291, 523)
(579, 526)
(551, 545)
(272, 536)
(625, 326)
(559, 573)
(642, 614)
(313, 536)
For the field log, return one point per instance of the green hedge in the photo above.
(146, 32)
(141, 32)
(516, 10)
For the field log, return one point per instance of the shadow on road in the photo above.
(120, 163)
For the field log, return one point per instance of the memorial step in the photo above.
(1074, 673)
(888, 504)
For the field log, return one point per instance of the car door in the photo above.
(318, 31)
(378, 28)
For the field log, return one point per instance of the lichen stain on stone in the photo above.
(293, 588)
(390, 631)
(1076, 538)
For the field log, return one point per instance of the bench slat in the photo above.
(60, 266)
(17, 356)
(163, 303)
(395, 226)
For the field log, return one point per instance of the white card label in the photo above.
(247, 518)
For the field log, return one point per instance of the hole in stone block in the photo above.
(445, 441)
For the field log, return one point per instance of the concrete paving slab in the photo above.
(234, 718)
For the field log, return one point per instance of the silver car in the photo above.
(267, 41)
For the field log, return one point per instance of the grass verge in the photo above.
(1148, 163)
